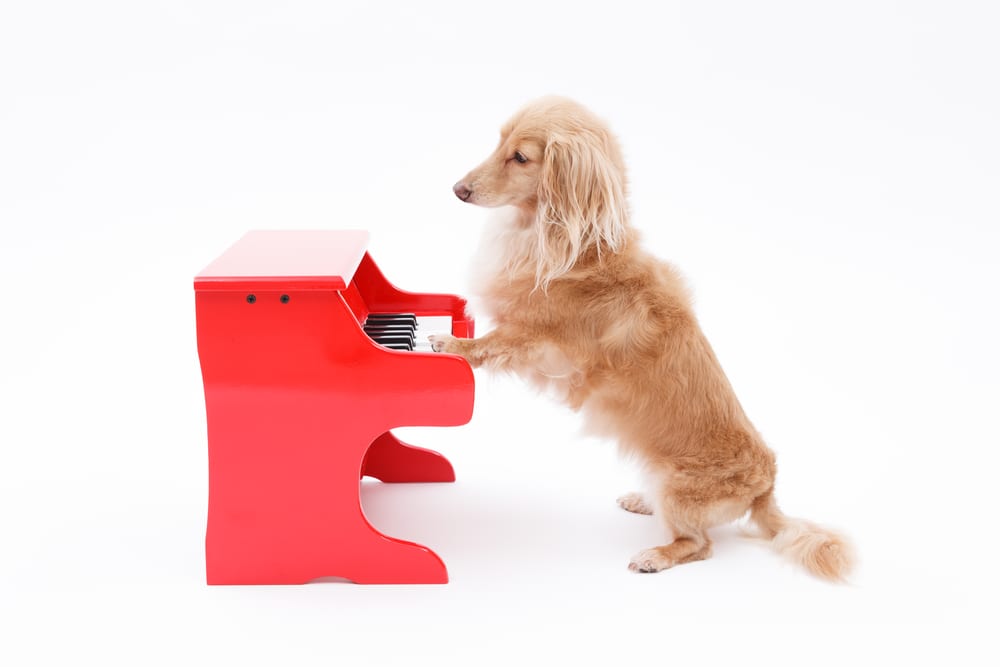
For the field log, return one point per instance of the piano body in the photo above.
(300, 403)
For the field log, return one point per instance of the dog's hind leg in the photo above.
(687, 547)
(688, 519)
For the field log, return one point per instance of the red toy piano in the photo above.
(309, 358)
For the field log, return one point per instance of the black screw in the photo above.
(284, 298)
(251, 298)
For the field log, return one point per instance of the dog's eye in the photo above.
(519, 156)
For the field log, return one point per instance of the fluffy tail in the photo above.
(823, 552)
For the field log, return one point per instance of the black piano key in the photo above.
(396, 331)
(392, 327)
(400, 331)
(397, 346)
(404, 343)
(393, 340)
(392, 317)
(377, 328)
(400, 340)
(389, 334)
(389, 327)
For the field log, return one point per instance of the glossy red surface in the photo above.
(264, 259)
(300, 403)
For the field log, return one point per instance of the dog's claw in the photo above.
(438, 342)
(649, 560)
(643, 569)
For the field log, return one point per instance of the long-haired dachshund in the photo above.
(581, 308)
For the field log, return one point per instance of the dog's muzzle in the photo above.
(462, 192)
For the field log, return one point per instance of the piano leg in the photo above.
(390, 460)
(379, 559)
(284, 493)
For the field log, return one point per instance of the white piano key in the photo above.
(427, 326)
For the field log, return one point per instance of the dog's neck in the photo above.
(514, 250)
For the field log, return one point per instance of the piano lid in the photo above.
(273, 259)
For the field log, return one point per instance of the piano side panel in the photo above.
(379, 295)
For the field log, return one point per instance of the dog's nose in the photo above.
(461, 191)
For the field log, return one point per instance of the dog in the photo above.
(580, 308)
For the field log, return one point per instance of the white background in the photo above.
(824, 173)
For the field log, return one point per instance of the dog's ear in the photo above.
(582, 191)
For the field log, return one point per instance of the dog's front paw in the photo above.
(442, 342)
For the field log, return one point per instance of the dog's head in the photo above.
(561, 166)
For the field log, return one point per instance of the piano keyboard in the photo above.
(405, 331)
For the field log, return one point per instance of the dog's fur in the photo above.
(581, 308)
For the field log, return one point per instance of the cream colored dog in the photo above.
(581, 308)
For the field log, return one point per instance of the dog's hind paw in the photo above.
(649, 560)
(635, 502)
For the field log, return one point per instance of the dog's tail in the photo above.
(821, 551)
